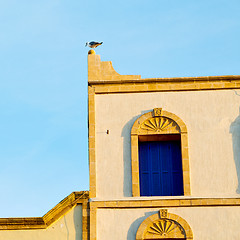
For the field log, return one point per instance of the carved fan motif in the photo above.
(165, 228)
(158, 124)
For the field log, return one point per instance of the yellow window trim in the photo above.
(158, 122)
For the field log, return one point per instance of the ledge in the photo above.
(167, 85)
(159, 203)
(166, 80)
(50, 217)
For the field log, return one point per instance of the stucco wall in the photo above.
(206, 223)
(69, 227)
(212, 119)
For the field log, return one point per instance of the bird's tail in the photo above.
(101, 42)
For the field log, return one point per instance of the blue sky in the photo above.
(43, 78)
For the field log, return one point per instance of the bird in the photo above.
(93, 44)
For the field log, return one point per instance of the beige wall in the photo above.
(69, 227)
(212, 119)
(206, 223)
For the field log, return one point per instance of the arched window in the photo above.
(160, 163)
(164, 225)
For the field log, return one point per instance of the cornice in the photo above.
(166, 80)
(167, 85)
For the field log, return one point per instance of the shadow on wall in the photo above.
(127, 175)
(135, 225)
(66, 226)
(235, 131)
(77, 217)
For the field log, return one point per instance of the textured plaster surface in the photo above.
(69, 227)
(212, 120)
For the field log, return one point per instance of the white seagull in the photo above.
(93, 44)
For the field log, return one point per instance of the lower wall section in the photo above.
(210, 223)
(68, 227)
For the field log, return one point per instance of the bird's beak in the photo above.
(86, 45)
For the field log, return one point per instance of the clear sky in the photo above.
(43, 78)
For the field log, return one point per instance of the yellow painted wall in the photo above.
(213, 122)
(69, 227)
(209, 223)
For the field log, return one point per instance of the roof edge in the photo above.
(50, 217)
(165, 80)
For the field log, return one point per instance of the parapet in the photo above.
(99, 71)
(106, 80)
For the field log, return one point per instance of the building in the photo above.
(164, 162)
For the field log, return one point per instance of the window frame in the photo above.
(142, 128)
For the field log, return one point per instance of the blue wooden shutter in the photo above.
(144, 165)
(160, 168)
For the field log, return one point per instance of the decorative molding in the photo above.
(113, 83)
(192, 82)
(165, 228)
(159, 125)
(157, 112)
(169, 203)
(155, 227)
(163, 213)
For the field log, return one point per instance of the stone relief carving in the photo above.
(165, 228)
(157, 112)
(164, 225)
(163, 213)
(159, 124)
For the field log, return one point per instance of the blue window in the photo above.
(160, 168)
